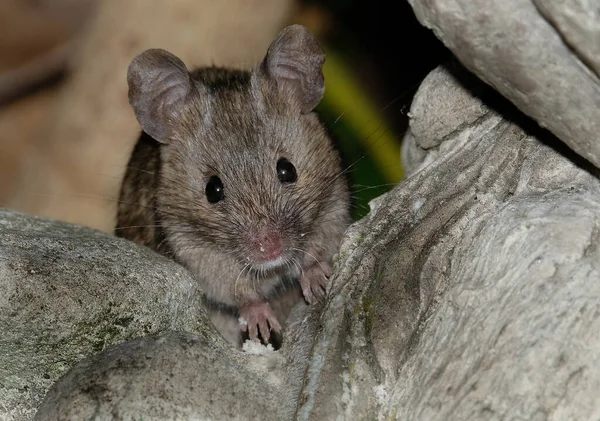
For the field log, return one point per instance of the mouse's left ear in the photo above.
(159, 88)
(294, 61)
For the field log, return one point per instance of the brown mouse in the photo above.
(235, 177)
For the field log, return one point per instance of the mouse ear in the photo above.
(159, 85)
(295, 61)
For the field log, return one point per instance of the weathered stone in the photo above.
(578, 22)
(511, 46)
(186, 376)
(444, 104)
(69, 292)
(172, 376)
(471, 290)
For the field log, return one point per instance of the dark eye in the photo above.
(286, 172)
(214, 189)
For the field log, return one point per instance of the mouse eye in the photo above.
(214, 189)
(286, 172)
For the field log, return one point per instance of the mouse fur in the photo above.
(264, 242)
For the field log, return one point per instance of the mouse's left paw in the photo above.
(314, 281)
(259, 318)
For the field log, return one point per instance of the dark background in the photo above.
(389, 53)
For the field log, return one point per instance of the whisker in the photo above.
(235, 284)
(338, 118)
(304, 251)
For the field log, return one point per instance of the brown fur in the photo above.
(234, 124)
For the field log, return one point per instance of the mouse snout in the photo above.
(266, 245)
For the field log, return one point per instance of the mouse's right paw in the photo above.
(314, 281)
(258, 316)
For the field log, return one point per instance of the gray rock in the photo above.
(69, 292)
(443, 106)
(186, 376)
(549, 74)
(515, 335)
(471, 290)
(172, 376)
(578, 22)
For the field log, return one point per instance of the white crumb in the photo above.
(243, 322)
(253, 347)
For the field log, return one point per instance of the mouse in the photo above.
(236, 177)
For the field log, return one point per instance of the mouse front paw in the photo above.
(314, 281)
(258, 316)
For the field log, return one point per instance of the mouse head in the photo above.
(246, 165)
(162, 92)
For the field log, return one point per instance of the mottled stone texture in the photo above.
(471, 290)
(68, 292)
(543, 55)
(173, 376)
(186, 376)
(578, 23)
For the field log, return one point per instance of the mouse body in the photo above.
(235, 177)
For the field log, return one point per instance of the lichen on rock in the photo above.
(69, 292)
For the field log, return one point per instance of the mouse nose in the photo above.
(268, 245)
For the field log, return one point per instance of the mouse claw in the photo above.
(314, 282)
(260, 319)
(327, 270)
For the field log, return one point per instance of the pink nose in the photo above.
(268, 245)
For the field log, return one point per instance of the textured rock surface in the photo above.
(471, 290)
(578, 22)
(68, 292)
(185, 376)
(547, 68)
(173, 376)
